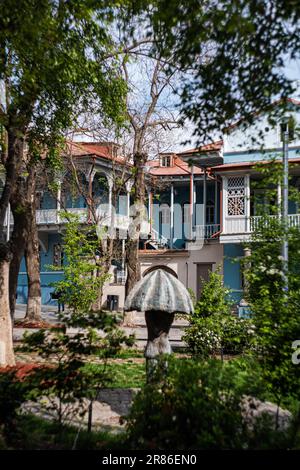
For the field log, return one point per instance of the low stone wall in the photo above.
(119, 399)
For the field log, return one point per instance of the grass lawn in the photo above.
(127, 373)
(34, 433)
(129, 353)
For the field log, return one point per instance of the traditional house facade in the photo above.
(200, 207)
(243, 147)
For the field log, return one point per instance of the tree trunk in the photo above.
(24, 237)
(32, 258)
(7, 357)
(132, 244)
(18, 241)
(18, 251)
(12, 168)
(132, 264)
(106, 247)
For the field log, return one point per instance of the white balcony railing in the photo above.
(119, 221)
(246, 225)
(81, 213)
(255, 221)
(47, 216)
(53, 216)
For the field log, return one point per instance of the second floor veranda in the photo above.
(249, 203)
(178, 213)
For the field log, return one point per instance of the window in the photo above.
(236, 195)
(58, 255)
(210, 212)
(120, 276)
(165, 214)
(166, 160)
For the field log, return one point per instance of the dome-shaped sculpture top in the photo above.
(159, 291)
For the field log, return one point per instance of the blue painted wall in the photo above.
(47, 276)
(48, 201)
(100, 189)
(182, 197)
(232, 269)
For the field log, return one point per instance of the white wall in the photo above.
(259, 134)
(183, 263)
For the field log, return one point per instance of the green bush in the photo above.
(203, 338)
(213, 328)
(219, 334)
(13, 393)
(198, 406)
(65, 387)
(214, 297)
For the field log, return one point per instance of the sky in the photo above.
(291, 70)
(175, 140)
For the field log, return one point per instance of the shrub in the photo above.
(213, 328)
(66, 382)
(203, 338)
(13, 393)
(218, 335)
(214, 297)
(197, 406)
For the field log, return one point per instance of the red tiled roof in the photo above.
(103, 150)
(205, 148)
(179, 168)
(153, 163)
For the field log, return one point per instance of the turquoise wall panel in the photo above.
(48, 201)
(47, 276)
(232, 269)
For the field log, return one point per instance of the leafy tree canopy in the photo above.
(54, 57)
(235, 51)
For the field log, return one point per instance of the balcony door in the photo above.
(203, 270)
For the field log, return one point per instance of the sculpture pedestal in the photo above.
(158, 327)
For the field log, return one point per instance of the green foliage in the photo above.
(52, 58)
(35, 433)
(275, 309)
(213, 328)
(214, 297)
(125, 374)
(84, 272)
(205, 414)
(12, 395)
(65, 383)
(63, 386)
(218, 335)
(245, 42)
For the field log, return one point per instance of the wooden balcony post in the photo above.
(247, 202)
(191, 201)
(171, 216)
